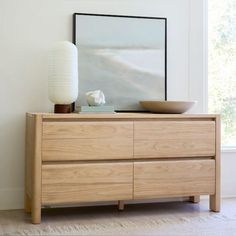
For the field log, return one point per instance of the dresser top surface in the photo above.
(120, 115)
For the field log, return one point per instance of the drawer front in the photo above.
(174, 178)
(87, 141)
(87, 130)
(72, 183)
(174, 139)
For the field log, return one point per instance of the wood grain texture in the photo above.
(87, 141)
(71, 183)
(122, 115)
(174, 139)
(87, 149)
(73, 158)
(215, 199)
(36, 169)
(29, 153)
(33, 166)
(87, 130)
(173, 178)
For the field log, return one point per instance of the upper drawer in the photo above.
(84, 130)
(174, 139)
(63, 141)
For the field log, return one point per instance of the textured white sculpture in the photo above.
(63, 73)
(95, 98)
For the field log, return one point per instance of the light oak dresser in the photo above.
(75, 158)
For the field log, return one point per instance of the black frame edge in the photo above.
(127, 16)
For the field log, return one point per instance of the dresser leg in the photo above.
(36, 216)
(27, 203)
(215, 203)
(194, 199)
(36, 210)
(121, 205)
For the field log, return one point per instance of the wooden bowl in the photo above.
(167, 107)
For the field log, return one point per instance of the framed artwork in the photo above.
(124, 56)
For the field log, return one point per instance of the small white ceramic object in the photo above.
(95, 98)
(167, 107)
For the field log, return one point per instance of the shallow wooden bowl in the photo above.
(167, 107)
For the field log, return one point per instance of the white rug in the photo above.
(146, 219)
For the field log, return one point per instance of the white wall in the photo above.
(28, 28)
(228, 174)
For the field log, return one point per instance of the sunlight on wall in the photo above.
(222, 66)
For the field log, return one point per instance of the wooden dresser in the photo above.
(74, 158)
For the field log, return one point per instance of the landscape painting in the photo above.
(125, 57)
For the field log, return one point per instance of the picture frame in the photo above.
(117, 65)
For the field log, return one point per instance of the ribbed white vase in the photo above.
(63, 73)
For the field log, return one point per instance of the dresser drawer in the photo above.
(72, 183)
(174, 139)
(174, 178)
(87, 141)
(87, 130)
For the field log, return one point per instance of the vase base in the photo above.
(62, 108)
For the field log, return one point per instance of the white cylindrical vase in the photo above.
(63, 76)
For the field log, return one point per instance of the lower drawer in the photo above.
(174, 178)
(72, 183)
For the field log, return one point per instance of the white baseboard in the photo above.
(11, 198)
(206, 197)
(228, 196)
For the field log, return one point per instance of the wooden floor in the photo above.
(175, 218)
